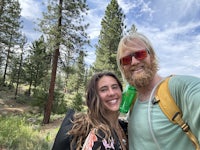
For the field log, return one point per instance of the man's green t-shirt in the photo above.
(150, 129)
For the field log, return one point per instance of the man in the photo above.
(149, 128)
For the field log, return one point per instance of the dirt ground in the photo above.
(8, 107)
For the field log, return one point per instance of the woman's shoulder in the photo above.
(62, 140)
(124, 125)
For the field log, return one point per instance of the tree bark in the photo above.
(49, 104)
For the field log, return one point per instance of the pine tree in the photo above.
(76, 84)
(111, 32)
(20, 64)
(132, 29)
(65, 32)
(10, 33)
(35, 69)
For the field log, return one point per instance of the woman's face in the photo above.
(110, 93)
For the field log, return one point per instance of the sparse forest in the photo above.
(49, 75)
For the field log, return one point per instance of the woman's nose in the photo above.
(111, 91)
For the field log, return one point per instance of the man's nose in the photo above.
(134, 60)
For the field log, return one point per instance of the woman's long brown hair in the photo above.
(95, 117)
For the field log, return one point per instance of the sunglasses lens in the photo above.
(126, 60)
(138, 55)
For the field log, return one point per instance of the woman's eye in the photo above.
(115, 87)
(103, 90)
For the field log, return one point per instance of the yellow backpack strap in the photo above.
(171, 110)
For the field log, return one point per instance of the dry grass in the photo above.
(9, 106)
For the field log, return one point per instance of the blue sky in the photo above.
(172, 26)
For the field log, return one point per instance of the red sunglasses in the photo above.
(140, 55)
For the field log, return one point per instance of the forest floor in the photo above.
(11, 107)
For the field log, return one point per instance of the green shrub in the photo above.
(16, 134)
(39, 98)
(78, 101)
(59, 103)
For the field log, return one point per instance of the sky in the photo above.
(173, 27)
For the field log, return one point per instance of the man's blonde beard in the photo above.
(145, 78)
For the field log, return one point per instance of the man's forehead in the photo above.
(134, 43)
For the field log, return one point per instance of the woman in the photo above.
(100, 128)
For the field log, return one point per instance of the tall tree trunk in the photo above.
(49, 104)
(7, 61)
(19, 71)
